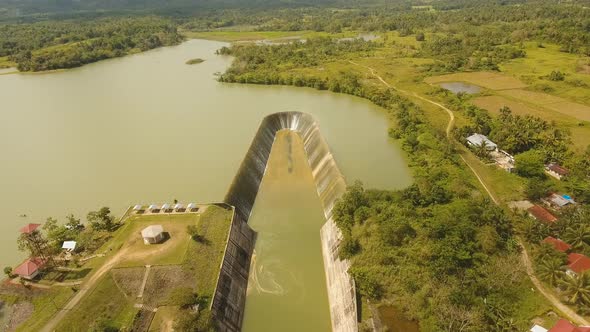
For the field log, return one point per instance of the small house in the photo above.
(563, 325)
(152, 234)
(541, 214)
(577, 263)
(559, 201)
(167, 208)
(556, 171)
(154, 208)
(138, 209)
(477, 140)
(179, 207)
(192, 207)
(30, 268)
(69, 246)
(558, 244)
(30, 228)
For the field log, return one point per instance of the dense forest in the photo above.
(66, 44)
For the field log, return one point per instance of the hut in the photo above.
(557, 171)
(477, 140)
(30, 228)
(69, 245)
(138, 209)
(541, 214)
(167, 208)
(154, 208)
(30, 268)
(179, 207)
(152, 234)
(192, 207)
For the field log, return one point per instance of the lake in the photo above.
(148, 129)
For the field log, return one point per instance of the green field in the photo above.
(177, 262)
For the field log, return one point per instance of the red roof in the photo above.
(558, 244)
(563, 325)
(541, 214)
(28, 229)
(30, 266)
(558, 169)
(578, 262)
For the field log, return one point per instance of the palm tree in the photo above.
(577, 288)
(481, 150)
(551, 270)
(577, 236)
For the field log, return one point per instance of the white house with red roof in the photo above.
(30, 268)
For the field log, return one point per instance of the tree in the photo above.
(73, 223)
(530, 164)
(36, 244)
(8, 271)
(577, 288)
(537, 189)
(551, 270)
(482, 150)
(577, 236)
(102, 220)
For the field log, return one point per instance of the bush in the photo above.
(556, 75)
(530, 164)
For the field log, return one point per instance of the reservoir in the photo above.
(148, 129)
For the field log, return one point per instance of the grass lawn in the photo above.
(170, 252)
(46, 304)
(539, 62)
(532, 305)
(178, 262)
(504, 186)
(105, 304)
(488, 80)
(163, 318)
(204, 258)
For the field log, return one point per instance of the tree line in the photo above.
(65, 44)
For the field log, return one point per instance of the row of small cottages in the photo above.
(476, 140)
(166, 208)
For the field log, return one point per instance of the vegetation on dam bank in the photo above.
(440, 250)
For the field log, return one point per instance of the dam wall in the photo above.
(229, 298)
(230, 295)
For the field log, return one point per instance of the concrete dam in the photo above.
(230, 296)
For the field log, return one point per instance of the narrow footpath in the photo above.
(564, 309)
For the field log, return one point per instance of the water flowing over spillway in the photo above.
(330, 186)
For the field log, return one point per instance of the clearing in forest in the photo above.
(489, 80)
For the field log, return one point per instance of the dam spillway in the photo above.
(329, 185)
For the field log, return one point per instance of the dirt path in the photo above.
(413, 94)
(564, 309)
(88, 285)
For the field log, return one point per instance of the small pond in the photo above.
(456, 87)
(395, 321)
